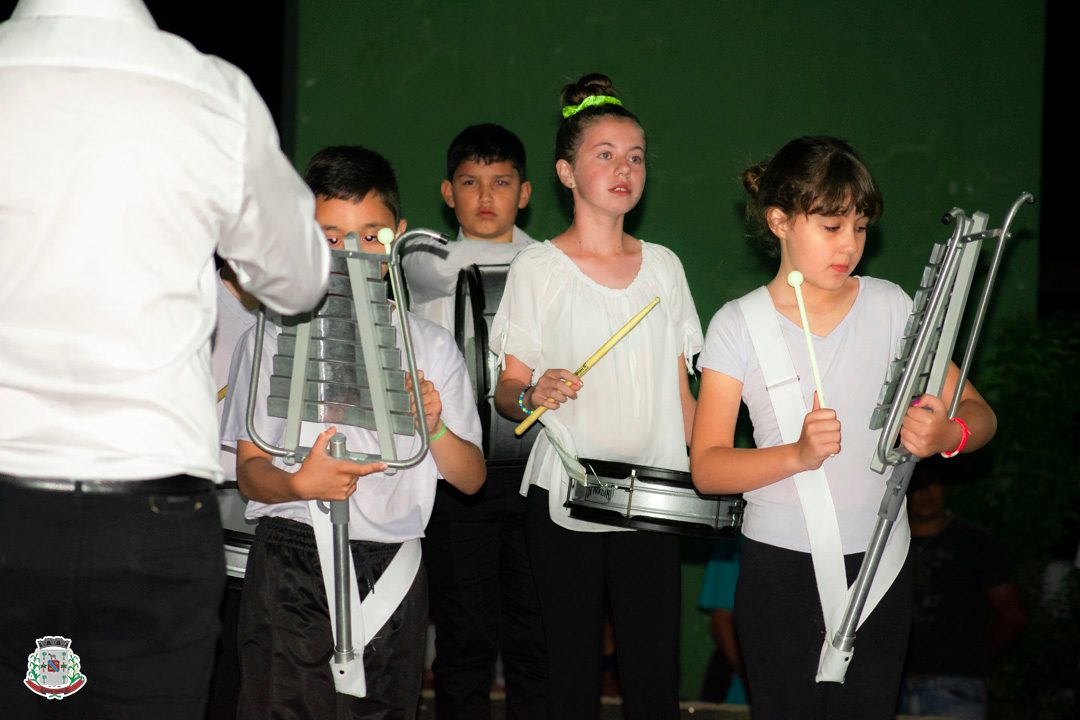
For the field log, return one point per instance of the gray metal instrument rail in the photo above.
(920, 366)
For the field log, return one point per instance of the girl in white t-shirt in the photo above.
(563, 299)
(813, 202)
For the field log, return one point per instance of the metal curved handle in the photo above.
(1025, 198)
(397, 285)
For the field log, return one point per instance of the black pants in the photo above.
(483, 601)
(640, 573)
(781, 630)
(286, 642)
(133, 580)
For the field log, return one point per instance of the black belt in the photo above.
(175, 485)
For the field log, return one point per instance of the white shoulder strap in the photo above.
(822, 528)
(369, 616)
(782, 384)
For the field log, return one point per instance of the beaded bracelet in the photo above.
(436, 436)
(521, 401)
(965, 434)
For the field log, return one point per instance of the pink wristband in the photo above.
(965, 434)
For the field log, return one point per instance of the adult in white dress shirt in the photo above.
(128, 158)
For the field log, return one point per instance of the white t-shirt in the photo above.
(431, 270)
(853, 360)
(233, 320)
(384, 508)
(553, 315)
(127, 157)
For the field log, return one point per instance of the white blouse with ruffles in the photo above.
(553, 315)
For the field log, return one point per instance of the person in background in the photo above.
(724, 674)
(483, 600)
(966, 608)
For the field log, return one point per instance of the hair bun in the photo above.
(751, 177)
(586, 86)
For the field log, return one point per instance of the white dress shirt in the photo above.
(127, 158)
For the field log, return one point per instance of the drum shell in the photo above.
(648, 498)
(239, 532)
(479, 292)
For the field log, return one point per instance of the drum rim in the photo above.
(615, 519)
(618, 469)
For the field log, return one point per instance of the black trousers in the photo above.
(133, 580)
(781, 630)
(286, 642)
(640, 573)
(483, 601)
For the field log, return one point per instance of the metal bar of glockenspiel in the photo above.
(938, 298)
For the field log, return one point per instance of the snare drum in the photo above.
(479, 291)
(649, 498)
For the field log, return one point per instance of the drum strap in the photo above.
(822, 528)
(381, 601)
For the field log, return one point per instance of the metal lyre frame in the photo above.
(374, 396)
(921, 364)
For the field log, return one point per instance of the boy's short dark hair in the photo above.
(350, 172)
(486, 143)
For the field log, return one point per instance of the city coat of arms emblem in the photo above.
(53, 669)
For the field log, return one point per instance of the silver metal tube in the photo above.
(844, 638)
(256, 363)
(339, 517)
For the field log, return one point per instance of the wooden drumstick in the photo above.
(795, 280)
(593, 359)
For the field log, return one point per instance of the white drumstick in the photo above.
(795, 280)
(386, 237)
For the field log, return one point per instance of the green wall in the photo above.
(943, 100)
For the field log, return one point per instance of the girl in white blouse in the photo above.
(563, 299)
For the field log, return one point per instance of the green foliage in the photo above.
(33, 667)
(1024, 488)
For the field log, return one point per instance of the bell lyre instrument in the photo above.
(345, 363)
(921, 364)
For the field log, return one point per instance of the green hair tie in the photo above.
(590, 101)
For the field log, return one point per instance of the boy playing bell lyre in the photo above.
(284, 629)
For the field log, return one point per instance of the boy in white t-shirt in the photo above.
(483, 600)
(284, 629)
(485, 186)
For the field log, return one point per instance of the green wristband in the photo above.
(436, 436)
(521, 402)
